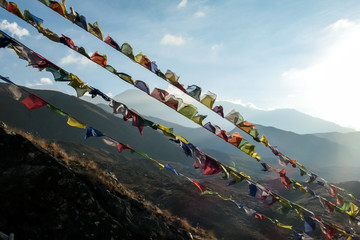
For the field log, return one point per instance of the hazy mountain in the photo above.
(285, 119)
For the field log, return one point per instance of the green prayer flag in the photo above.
(142, 154)
(111, 69)
(56, 110)
(254, 133)
(82, 51)
(59, 74)
(126, 78)
(188, 110)
(27, 16)
(127, 50)
(208, 192)
(285, 206)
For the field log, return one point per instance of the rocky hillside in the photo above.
(46, 194)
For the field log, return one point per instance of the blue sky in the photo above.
(263, 54)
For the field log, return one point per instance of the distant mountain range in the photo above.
(285, 119)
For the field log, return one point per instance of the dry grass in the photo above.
(82, 165)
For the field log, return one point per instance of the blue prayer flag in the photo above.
(91, 132)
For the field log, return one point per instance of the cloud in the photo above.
(42, 82)
(247, 105)
(71, 58)
(14, 28)
(328, 87)
(199, 14)
(172, 40)
(182, 4)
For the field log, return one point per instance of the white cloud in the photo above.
(14, 28)
(172, 40)
(328, 87)
(199, 14)
(247, 105)
(42, 82)
(340, 24)
(71, 58)
(182, 4)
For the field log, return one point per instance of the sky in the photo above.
(302, 55)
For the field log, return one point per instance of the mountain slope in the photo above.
(47, 198)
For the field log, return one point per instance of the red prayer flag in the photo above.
(136, 120)
(121, 147)
(32, 102)
(201, 187)
(69, 41)
(211, 166)
(222, 134)
(284, 179)
(329, 205)
(111, 42)
(339, 200)
(145, 61)
(13, 8)
(179, 86)
(333, 190)
(235, 139)
(57, 7)
(246, 126)
(274, 200)
(99, 59)
(260, 216)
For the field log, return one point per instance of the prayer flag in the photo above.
(142, 86)
(260, 216)
(4, 39)
(333, 190)
(118, 107)
(159, 94)
(211, 166)
(58, 73)
(285, 206)
(32, 102)
(309, 223)
(112, 42)
(173, 102)
(13, 8)
(208, 192)
(58, 7)
(172, 169)
(80, 87)
(210, 127)
(246, 126)
(154, 67)
(254, 133)
(208, 99)
(127, 50)
(219, 110)
(235, 139)
(95, 30)
(75, 123)
(234, 117)
(92, 132)
(252, 189)
(126, 78)
(80, 20)
(143, 60)
(109, 141)
(284, 179)
(94, 92)
(199, 119)
(171, 76)
(67, 41)
(187, 110)
(201, 187)
(99, 59)
(194, 91)
(249, 211)
(224, 135)
(161, 166)
(121, 147)
(137, 120)
(4, 4)
(354, 210)
(111, 69)
(56, 110)
(82, 51)
(284, 226)
(264, 140)
(33, 19)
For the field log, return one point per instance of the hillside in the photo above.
(63, 197)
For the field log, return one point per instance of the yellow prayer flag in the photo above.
(199, 119)
(283, 226)
(224, 198)
(264, 140)
(354, 210)
(161, 166)
(80, 87)
(95, 30)
(208, 99)
(75, 123)
(256, 156)
(126, 78)
(181, 138)
(138, 57)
